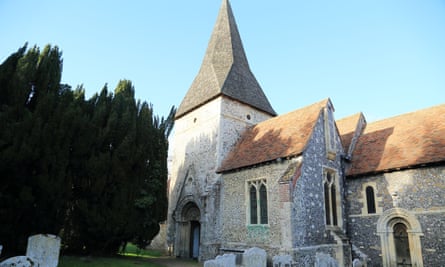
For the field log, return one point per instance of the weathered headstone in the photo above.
(255, 257)
(325, 260)
(282, 261)
(20, 261)
(211, 263)
(44, 249)
(357, 263)
(226, 260)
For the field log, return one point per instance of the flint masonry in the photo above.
(301, 183)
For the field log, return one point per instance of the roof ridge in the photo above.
(407, 113)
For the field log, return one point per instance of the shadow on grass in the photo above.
(118, 261)
(132, 256)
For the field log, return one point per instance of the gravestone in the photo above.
(211, 263)
(44, 249)
(226, 260)
(325, 260)
(282, 261)
(357, 263)
(20, 261)
(255, 257)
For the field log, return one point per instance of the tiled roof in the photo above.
(225, 70)
(279, 137)
(404, 141)
(347, 128)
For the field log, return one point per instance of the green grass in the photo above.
(131, 257)
(132, 250)
(122, 261)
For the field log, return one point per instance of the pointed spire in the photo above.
(225, 70)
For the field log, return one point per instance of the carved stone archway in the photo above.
(188, 231)
(385, 229)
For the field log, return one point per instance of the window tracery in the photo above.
(258, 208)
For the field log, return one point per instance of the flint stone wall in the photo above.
(420, 191)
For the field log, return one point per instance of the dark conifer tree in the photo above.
(93, 171)
(33, 145)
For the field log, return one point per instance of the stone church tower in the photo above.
(223, 100)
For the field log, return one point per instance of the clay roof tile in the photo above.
(403, 141)
(279, 137)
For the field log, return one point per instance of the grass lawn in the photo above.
(123, 261)
(131, 257)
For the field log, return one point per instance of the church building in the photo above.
(303, 183)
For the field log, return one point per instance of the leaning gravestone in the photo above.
(255, 257)
(44, 249)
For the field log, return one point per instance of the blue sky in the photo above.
(380, 57)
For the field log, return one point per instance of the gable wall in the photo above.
(308, 195)
(418, 191)
(310, 233)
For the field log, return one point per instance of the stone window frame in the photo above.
(257, 184)
(338, 218)
(385, 229)
(377, 199)
(329, 133)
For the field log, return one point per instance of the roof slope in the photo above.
(400, 142)
(225, 70)
(279, 137)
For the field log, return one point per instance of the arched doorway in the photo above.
(189, 231)
(400, 233)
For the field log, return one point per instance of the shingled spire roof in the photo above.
(225, 70)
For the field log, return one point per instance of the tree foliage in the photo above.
(93, 171)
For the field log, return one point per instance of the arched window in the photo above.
(370, 200)
(253, 205)
(334, 205)
(327, 204)
(258, 202)
(330, 199)
(263, 204)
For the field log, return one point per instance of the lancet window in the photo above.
(258, 211)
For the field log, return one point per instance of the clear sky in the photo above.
(380, 57)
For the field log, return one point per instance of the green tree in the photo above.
(120, 194)
(93, 171)
(33, 143)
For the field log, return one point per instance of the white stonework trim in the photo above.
(328, 127)
(257, 182)
(385, 229)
